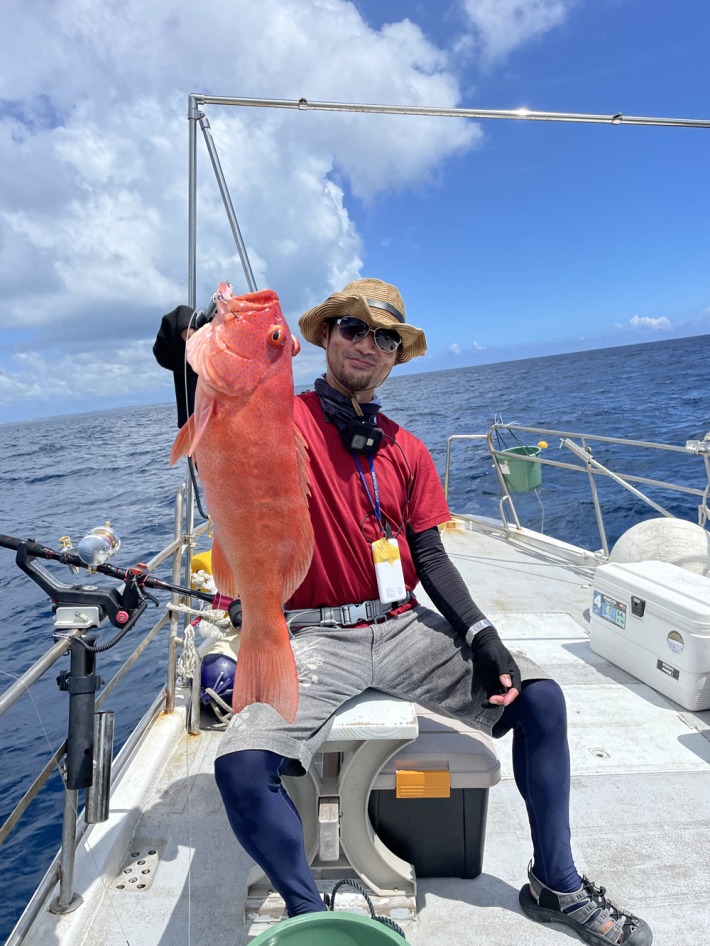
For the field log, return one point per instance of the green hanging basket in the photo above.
(520, 475)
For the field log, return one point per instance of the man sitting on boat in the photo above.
(374, 482)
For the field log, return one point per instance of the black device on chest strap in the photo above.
(356, 423)
(359, 436)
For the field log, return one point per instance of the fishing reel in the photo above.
(95, 549)
(98, 546)
(205, 313)
(88, 606)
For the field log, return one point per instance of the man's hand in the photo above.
(497, 670)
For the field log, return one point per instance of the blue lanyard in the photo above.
(376, 503)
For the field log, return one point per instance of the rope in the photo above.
(204, 581)
(187, 661)
(218, 618)
(385, 920)
(209, 623)
(222, 710)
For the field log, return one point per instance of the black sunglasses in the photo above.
(354, 330)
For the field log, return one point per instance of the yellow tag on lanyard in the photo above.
(385, 550)
(388, 570)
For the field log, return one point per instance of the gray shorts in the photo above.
(416, 656)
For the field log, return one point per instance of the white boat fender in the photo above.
(675, 541)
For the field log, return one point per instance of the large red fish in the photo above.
(253, 465)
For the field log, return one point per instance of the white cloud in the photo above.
(645, 322)
(96, 377)
(456, 349)
(499, 26)
(93, 162)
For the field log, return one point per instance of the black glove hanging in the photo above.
(492, 658)
(356, 423)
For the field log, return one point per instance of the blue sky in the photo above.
(507, 239)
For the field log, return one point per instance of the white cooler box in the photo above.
(653, 620)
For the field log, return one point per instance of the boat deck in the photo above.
(640, 796)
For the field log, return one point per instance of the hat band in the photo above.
(377, 304)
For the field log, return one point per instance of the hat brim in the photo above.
(338, 305)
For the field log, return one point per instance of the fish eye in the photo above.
(277, 336)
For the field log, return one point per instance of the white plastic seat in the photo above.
(362, 752)
(332, 798)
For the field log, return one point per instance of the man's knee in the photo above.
(544, 701)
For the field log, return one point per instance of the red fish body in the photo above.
(253, 466)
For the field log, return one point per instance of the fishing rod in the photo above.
(78, 611)
(137, 574)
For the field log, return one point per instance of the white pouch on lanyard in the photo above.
(388, 570)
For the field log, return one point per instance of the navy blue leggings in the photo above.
(268, 826)
(538, 718)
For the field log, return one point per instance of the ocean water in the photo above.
(66, 475)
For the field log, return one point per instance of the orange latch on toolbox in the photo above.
(422, 783)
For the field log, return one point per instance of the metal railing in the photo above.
(580, 445)
(73, 828)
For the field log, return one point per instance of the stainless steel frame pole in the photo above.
(67, 899)
(227, 200)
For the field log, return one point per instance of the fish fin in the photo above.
(303, 461)
(221, 572)
(183, 441)
(266, 670)
(191, 433)
(205, 410)
(303, 554)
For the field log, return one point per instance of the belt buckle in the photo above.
(355, 612)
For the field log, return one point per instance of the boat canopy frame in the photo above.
(197, 118)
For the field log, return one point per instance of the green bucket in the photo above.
(520, 475)
(329, 929)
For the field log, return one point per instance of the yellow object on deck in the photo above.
(202, 571)
(202, 562)
(422, 783)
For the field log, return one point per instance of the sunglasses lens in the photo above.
(354, 330)
(387, 341)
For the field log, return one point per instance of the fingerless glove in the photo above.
(492, 658)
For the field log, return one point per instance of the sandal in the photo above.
(588, 911)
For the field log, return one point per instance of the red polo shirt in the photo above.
(344, 524)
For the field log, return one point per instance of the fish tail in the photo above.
(266, 671)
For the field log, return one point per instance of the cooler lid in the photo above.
(663, 585)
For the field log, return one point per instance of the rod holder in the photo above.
(98, 794)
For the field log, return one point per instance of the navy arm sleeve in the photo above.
(441, 580)
(447, 590)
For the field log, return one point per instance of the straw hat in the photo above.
(375, 302)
